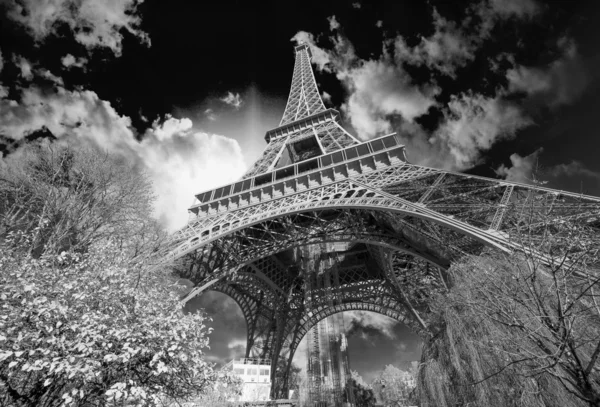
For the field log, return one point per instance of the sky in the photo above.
(186, 90)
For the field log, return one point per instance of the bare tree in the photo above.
(68, 197)
(533, 314)
(83, 320)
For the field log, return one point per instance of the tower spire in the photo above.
(304, 99)
(307, 129)
(384, 231)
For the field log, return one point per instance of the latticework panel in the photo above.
(304, 99)
(377, 232)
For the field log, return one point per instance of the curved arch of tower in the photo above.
(324, 223)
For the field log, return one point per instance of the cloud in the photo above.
(452, 46)
(559, 83)
(521, 169)
(236, 343)
(354, 320)
(179, 160)
(515, 8)
(232, 99)
(320, 57)
(379, 89)
(69, 61)
(94, 23)
(210, 115)
(24, 66)
(401, 347)
(376, 88)
(527, 170)
(573, 169)
(379, 24)
(447, 49)
(237, 349)
(333, 24)
(326, 97)
(29, 71)
(356, 5)
(46, 74)
(473, 123)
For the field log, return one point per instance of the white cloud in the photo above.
(95, 23)
(447, 49)
(527, 170)
(320, 57)
(452, 46)
(522, 168)
(210, 115)
(237, 343)
(46, 74)
(573, 169)
(559, 83)
(356, 5)
(29, 70)
(474, 123)
(379, 89)
(179, 160)
(516, 8)
(333, 24)
(364, 319)
(232, 99)
(382, 96)
(24, 66)
(69, 61)
(379, 24)
(326, 97)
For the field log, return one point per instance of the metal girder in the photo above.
(304, 99)
(381, 232)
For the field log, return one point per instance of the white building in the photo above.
(256, 375)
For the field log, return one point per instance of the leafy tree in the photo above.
(390, 387)
(359, 390)
(224, 392)
(83, 321)
(67, 197)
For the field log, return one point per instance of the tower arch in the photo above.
(277, 238)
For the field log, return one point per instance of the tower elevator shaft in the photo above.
(328, 365)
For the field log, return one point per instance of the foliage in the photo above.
(517, 333)
(224, 392)
(66, 197)
(82, 320)
(520, 329)
(391, 389)
(359, 390)
(293, 378)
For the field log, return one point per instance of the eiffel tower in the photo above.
(324, 223)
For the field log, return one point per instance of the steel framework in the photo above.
(396, 227)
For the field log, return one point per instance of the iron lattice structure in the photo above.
(395, 227)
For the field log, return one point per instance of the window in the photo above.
(264, 372)
(238, 370)
(377, 145)
(252, 371)
(305, 149)
(337, 157)
(363, 149)
(390, 141)
(351, 153)
(326, 160)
